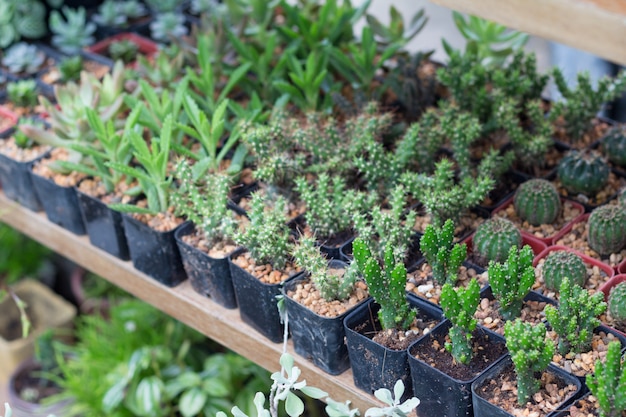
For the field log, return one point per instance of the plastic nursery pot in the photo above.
(208, 276)
(104, 226)
(8, 119)
(440, 393)
(621, 268)
(484, 408)
(154, 253)
(373, 365)
(59, 203)
(318, 338)
(505, 189)
(535, 244)
(146, 46)
(413, 260)
(257, 301)
(606, 289)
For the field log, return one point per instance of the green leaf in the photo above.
(215, 387)
(294, 405)
(192, 401)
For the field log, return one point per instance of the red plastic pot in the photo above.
(606, 289)
(621, 268)
(146, 46)
(8, 114)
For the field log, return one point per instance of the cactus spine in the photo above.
(495, 237)
(459, 306)
(617, 303)
(511, 281)
(563, 264)
(607, 229)
(583, 172)
(614, 145)
(608, 383)
(537, 201)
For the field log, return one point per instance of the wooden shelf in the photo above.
(596, 26)
(182, 302)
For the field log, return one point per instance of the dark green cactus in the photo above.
(385, 285)
(614, 145)
(617, 303)
(583, 172)
(442, 255)
(563, 264)
(607, 229)
(459, 306)
(608, 382)
(495, 237)
(575, 318)
(531, 353)
(511, 281)
(537, 201)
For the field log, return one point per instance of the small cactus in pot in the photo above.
(614, 145)
(608, 382)
(537, 201)
(495, 237)
(607, 229)
(617, 303)
(563, 264)
(583, 172)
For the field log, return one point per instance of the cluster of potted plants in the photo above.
(274, 152)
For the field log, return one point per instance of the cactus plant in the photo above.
(511, 281)
(575, 318)
(608, 382)
(442, 255)
(614, 145)
(563, 264)
(607, 229)
(70, 68)
(537, 201)
(617, 303)
(459, 306)
(125, 49)
(167, 26)
(531, 353)
(583, 172)
(73, 33)
(495, 237)
(22, 93)
(23, 58)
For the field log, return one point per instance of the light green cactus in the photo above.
(512, 281)
(608, 383)
(459, 305)
(443, 256)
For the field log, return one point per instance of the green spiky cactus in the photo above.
(443, 256)
(614, 145)
(531, 353)
(386, 285)
(512, 280)
(575, 318)
(608, 383)
(537, 201)
(617, 303)
(459, 306)
(563, 264)
(607, 229)
(495, 237)
(583, 172)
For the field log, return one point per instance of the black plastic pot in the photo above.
(440, 393)
(373, 365)
(17, 184)
(60, 204)
(319, 339)
(483, 408)
(208, 276)
(105, 226)
(154, 253)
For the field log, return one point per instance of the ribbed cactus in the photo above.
(563, 264)
(606, 226)
(531, 353)
(443, 256)
(617, 303)
(583, 172)
(459, 305)
(614, 145)
(537, 201)
(511, 281)
(608, 382)
(495, 237)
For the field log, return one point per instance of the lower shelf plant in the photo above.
(608, 383)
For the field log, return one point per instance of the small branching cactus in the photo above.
(443, 256)
(608, 382)
(607, 229)
(575, 318)
(617, 303)
(512, 281)
(331, 286)
(583, 172)
(531, 353)
(459, 306)
(386, 285)
(495, 237)
(563, 264)
(537, 201)
(614, 145)
(22, 93)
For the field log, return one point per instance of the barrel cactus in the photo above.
(563, 264)
(617, 303)
(583, 172)
(495, 237)
(614, 145)
(607, 229)
(537, 201)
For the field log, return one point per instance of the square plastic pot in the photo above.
(60, 204)
(17, 183)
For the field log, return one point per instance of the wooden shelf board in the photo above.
(596, 26)
(182, 302)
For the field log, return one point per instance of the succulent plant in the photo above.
(512, 281)
(126, 50)
(72, 34)
(23, 58)
(537, 201)
(443, 256)
(70, 68)
(583, 172)
(608, 382)
(459, 305)
(21, 19)
(109, 14)
(617, 303)
(132, 9)
(495, 237)
(607, 229)
(22, 93)
(168, 26)
(563, 264)
(614, 145)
